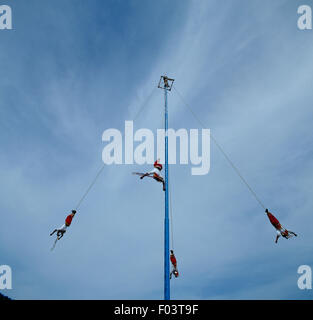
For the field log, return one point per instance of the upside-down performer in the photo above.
(174, 265)
(281, 231)
(60, 232)
(156, 172)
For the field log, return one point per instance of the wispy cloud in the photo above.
(244, 68)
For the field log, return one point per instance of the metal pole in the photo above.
(166, 220)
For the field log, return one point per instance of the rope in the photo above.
(223, 152)
(145, 103)
(102, 167)
(54, 244)
(90, 187)
(171, 215)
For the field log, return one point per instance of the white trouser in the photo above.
(63, 228)
(156, 171)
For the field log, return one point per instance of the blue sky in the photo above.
(70, 70)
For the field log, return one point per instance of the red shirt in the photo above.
(173, 260)
(68, 220)
(274, 221)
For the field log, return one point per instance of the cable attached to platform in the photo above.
(222, 151)
(102, 167)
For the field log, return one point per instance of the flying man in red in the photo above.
(174, 264)
(62, 230)
(156, 172)
(281, 231)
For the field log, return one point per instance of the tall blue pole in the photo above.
(166, 220)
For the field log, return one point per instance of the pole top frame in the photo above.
(166, 83)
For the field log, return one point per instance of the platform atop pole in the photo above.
(166, 83)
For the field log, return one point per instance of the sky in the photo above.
(70, 70)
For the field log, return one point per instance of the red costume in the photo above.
(68, 220)
(274, 221)
(173, 260)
